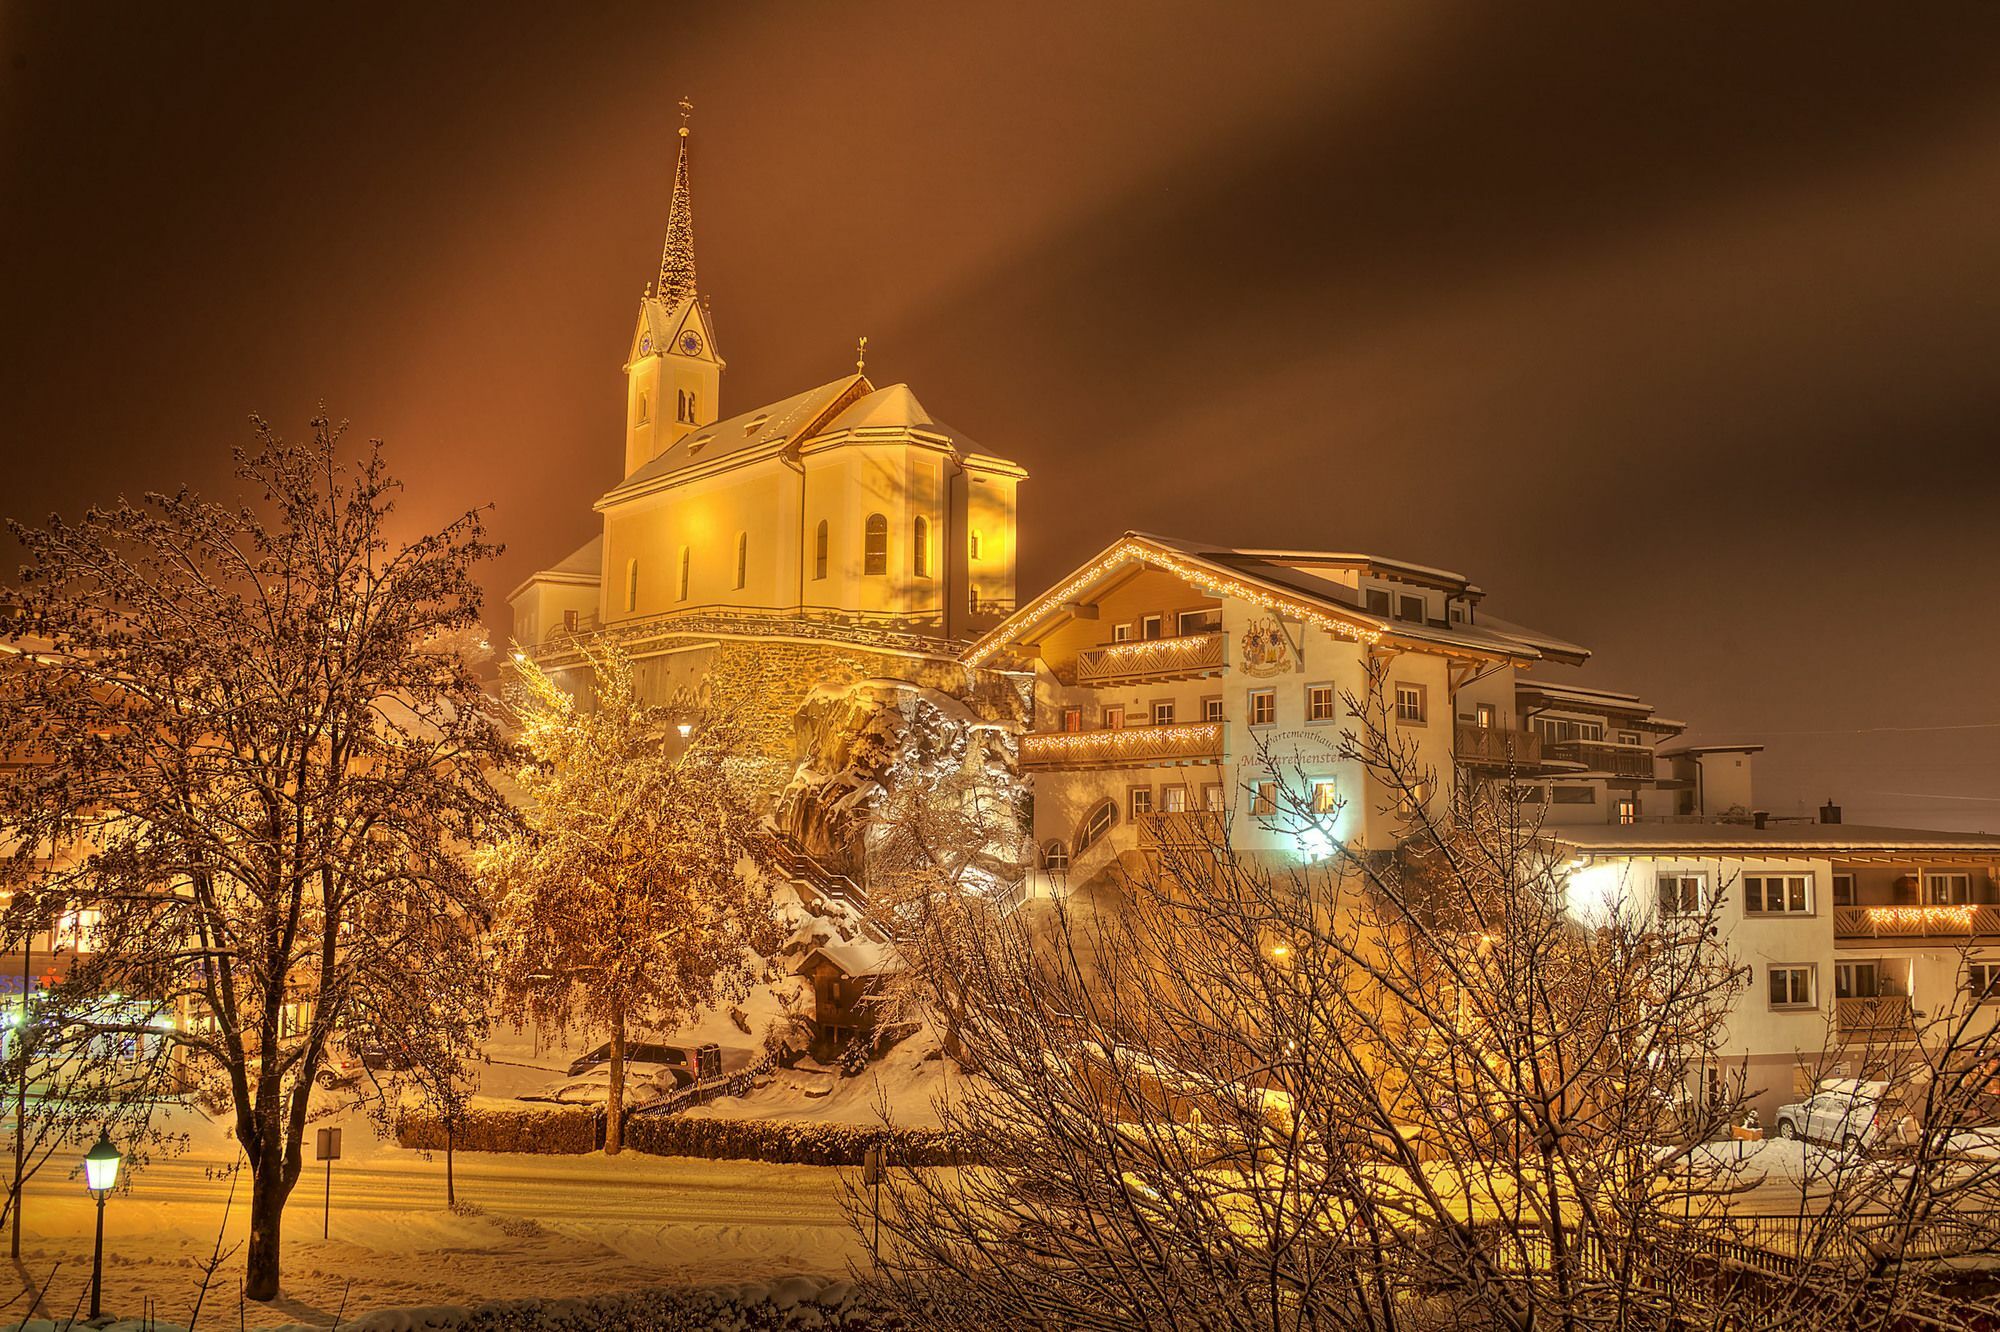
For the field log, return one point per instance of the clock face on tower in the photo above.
(645, 344)
(690, 343)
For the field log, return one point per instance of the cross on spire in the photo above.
(677, 279)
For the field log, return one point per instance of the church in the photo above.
(843, 514)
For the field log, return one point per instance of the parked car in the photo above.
(347, 1059)
(641, 1055)
(1848, 1116)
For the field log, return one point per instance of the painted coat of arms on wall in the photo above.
(1266, 648)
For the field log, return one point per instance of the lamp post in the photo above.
(100, 1175)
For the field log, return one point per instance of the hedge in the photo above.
(570, 1130)
(794, 1142)
(789, 1304)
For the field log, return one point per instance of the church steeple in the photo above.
(673, 374)
(677, 280)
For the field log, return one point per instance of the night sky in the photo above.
(1672, 326)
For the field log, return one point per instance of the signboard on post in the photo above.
(326, 1145)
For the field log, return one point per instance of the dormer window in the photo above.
(1411, 609)
(755, 423)
(1378, 601)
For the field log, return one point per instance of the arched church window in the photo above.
(974, 545)
(686, 561)
(1055, 856)
(694, 414)
(742, 558)
(645, 413)
(875, 545)
(680, 405)
(1095, 824)
(921, 540)
(631, 585)
(819, 551)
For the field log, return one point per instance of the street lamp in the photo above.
(686, 729)
(100, 1175)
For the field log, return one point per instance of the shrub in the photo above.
(771, 1306)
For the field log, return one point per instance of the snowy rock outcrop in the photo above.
(865, 749)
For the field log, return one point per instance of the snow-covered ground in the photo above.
(545, 1226)
(904, 1088)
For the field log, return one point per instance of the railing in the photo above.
(1188, 742)
(861, 628)
(1494, 746)
(1881, 1016)
(1180, 657)
(1604, 756)
(1181, 827)
(1915, 922)
(793, 860)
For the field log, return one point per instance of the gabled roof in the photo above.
(1221, 571)
(778, 425)
(582, 566)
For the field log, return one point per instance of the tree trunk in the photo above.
(267, 1214)
(614, 1103)
(21, 1093)
(450, 1188)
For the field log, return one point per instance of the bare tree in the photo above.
(261, 752)
(1397, 1087)
(632, 897)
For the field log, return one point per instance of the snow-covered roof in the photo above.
(848, 410)
(1222, 571)
(858, 958)
(1774, 838)
(583, 565)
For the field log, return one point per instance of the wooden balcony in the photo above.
(1883, 1018)
(1183, 657)
(1496, 747)
(1604, 756)
(1916, 922)
(1129, 747)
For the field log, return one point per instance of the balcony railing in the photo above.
(1885, 1017)
(1131, 746)
(1620, 760)
(1495, 747)
(1915, 922)
(1181, 827)
(1181, 657)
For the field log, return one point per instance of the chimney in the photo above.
(1758, 816)
(1829, 812)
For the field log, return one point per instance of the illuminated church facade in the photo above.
(846, 511)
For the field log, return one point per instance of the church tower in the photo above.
(673, 376)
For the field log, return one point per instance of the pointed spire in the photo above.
(677, 279)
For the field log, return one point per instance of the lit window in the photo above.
(920, 557)
(1410, 703)
(1319, 702)
(1264, 798)
(1777, 894)
(1163, 712)
(1263, 707)
(742, 559)
(819, 551)
(1173, 799)
(1483, 716)
(1211, 796)
(1114, 718)
(875, 545)
(1628, 810)
(687, 564)
(1792, 987)
(1211, 709)
(1326, 795)
(1142, 800)
(1072, 719)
